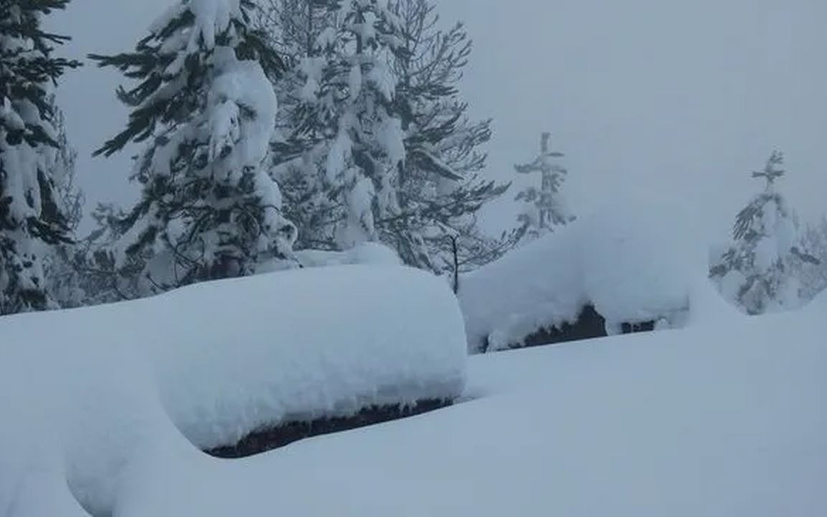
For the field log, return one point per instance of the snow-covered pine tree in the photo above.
(304, 31)
(367, 153)
(543, 207)
(810, 264)
(754, 271)
(431, 196)
(205, 105)
(31, 221)
(63, 278)
(64, 174)
(439, 189)
(294, 26)
(101, 278)
(343, 144)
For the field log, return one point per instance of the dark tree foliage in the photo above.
(149, 64)
(440, 188)
(207, 210)
(437, 189)
(31, 218)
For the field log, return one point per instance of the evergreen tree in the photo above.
(31, 220)
(64, 175)
(205, 106)
(810, 264)
(306, 122)
(293, 27)
(340, 157)
(754, 271)
(383, 151)
(439, 189)
(543, 207)
(101, 278)
(63, 278)
(363, 161)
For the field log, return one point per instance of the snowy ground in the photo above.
(725, 418)
(88, 394)
(704, 421)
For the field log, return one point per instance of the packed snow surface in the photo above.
(87, 392)
(625, 262)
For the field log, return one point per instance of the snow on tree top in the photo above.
(771, 171)
(210, 18)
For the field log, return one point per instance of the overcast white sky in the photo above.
(666, 99)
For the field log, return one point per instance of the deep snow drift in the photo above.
(86, 393)
(624, 261)
(722, 418)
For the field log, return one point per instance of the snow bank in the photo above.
(89, 395)
(77, 404)
(538, 285)
(625, 261)
(723, 418)
(301, 345)
(718, 419)
(708, 306)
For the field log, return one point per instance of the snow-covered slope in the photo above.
(623, 260)
(87, 392)
(722, 418)
(719, 419)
